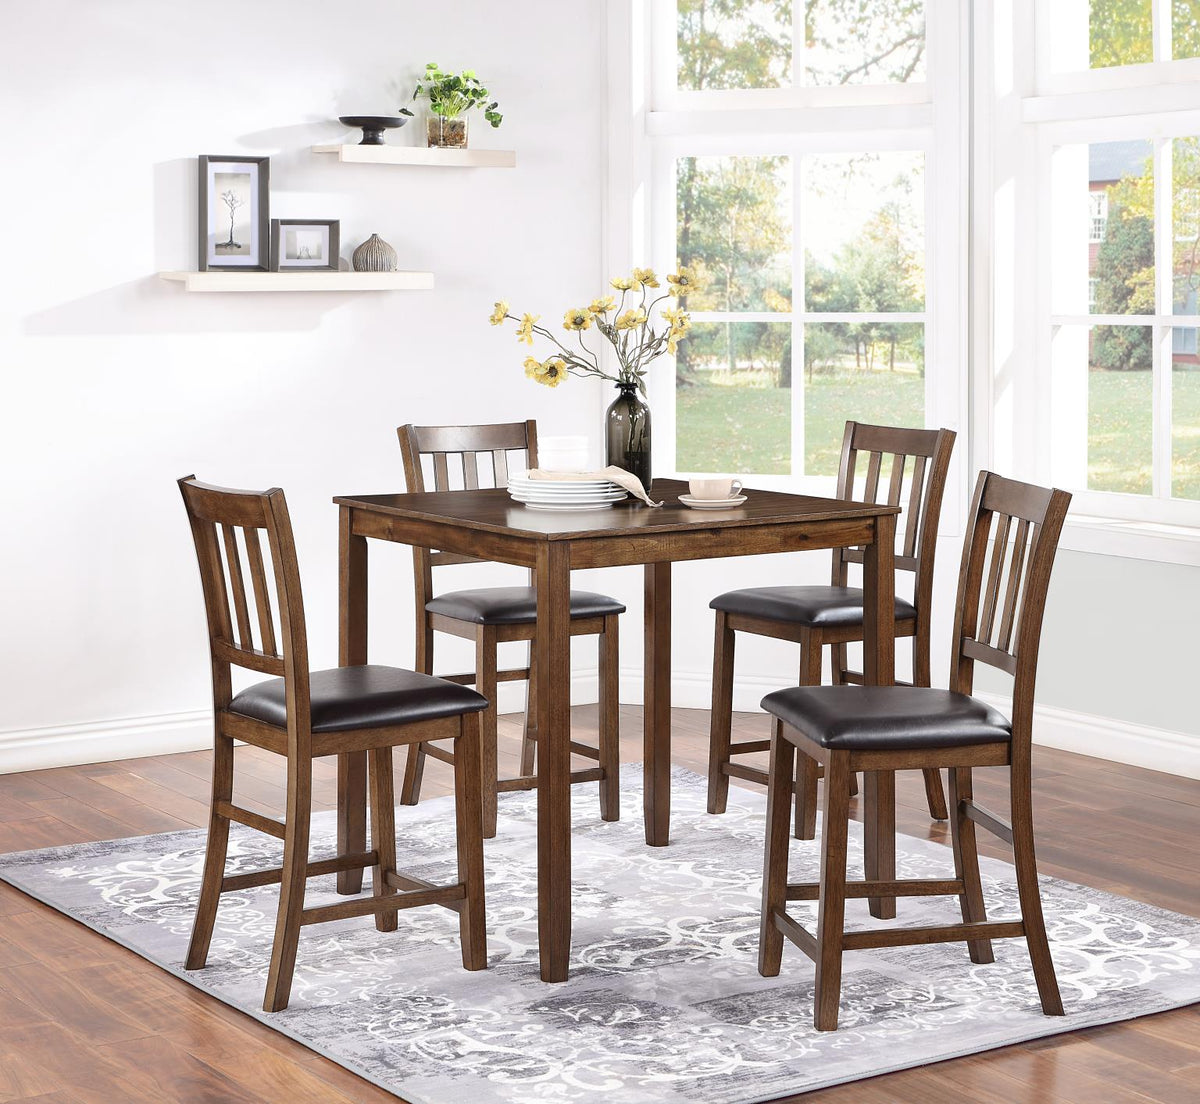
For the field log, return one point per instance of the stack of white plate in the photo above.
(564, 494)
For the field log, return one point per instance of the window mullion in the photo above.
(1160, 29)
(799, 180)
(1164, 256)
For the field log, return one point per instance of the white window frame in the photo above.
(650, 125)
(1023, 112)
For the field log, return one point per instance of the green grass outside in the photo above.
(745, 429)
(1120, 457)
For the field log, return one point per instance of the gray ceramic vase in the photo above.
(374, 255)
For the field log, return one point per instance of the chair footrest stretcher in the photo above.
(450, 896)
(530, 782)
(899, 937)
(910, 887)
(314, 869)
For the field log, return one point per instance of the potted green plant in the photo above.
(451, 96)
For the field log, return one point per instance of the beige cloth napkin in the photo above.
(626, 480)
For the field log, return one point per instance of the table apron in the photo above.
(445, 537)
(714, 543)
(696, 543)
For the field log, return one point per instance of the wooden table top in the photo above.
(493, 511)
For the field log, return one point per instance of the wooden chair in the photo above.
(494, 615)
(816, 616)
(302, 715)
(889, 728)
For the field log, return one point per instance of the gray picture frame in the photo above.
(281, 262)
(232, 203)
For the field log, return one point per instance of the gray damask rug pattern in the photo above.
(664, 1003)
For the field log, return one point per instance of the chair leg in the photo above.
(383, 830)
(610, 721)
(721, 716)
(838, 666)
(291, 887)
(214, 856)
(775, 855)
(935, 797)
(1027, 887)
(832, 908)
(966, 862)
(468, 811)
(414, 766)
(528, 735)
(485, 683)
(807, 770)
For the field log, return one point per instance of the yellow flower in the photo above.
(602, 305)
(577, 319)
(500, 313)
(525, 329)
(683, 281)
(630, 319)
(533, 367)
(645, 277)
(621, 283)
(680, 320)
(553, 372)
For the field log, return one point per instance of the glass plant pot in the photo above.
(448, 133)
(627, 433)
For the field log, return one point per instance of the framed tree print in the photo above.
(233, 213)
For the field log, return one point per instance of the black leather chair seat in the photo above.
(514, 605)
(887, 718)
(818, 606)
(362, 697)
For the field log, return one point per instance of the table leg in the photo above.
(879, 669)
(656, 716)
(553, 581)
(352, 651)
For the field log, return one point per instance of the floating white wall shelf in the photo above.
(302, 281)
(422, 155)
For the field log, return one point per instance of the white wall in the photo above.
(116, 383)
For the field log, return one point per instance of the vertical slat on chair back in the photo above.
(224, 523)
(905, 468)
(475, 452)
(1012, 536)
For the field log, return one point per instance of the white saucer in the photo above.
(712, 503)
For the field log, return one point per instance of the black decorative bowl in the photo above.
(373, 126)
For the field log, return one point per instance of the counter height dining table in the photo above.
(491, 525)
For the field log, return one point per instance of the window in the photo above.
(822, 300)
(1097, 377)
(1098, 206)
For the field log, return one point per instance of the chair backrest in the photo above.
(471, 450)
(1002, 595)
(233, 639)
(916, 487)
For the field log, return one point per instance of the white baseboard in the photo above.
(129, 738)
(1137, 745)
(1119, 741)
(102, 741)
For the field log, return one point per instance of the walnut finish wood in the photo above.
(212, 508)
(1024, 555)
(85, 1020)
(888, 451)
(462, 453)
(487, 522)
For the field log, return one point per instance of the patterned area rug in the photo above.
(664, 1003)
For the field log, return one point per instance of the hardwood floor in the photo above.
(84, 1020)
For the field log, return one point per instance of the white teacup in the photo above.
(714, 490)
